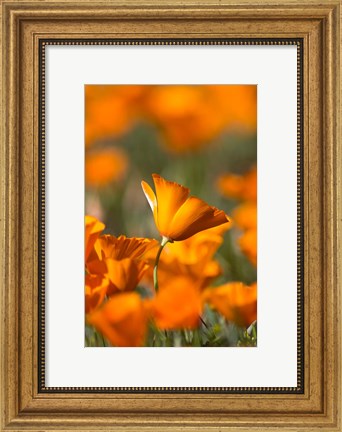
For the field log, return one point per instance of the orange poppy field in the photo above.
(171, 215)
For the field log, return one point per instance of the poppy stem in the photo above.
(155, 269)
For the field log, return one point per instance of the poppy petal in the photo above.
(170, 197)
(95, 291)
(123, 247)
(235, 301)
(150, 196)
(124, 274)
(93, 228)
(195, 215)
(122, 320)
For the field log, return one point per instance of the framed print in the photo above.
(170, 236)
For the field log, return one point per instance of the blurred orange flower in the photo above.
(236, 105)
(235, 301)
(245, 216)
(109, 110)
(122, 320)
(201, 246)
(192, 258)
(177, 306)
(184, 114)
(93, 229)
(124, 274)
(105, 166)
(248, 245)
(190, 116)
(95, 291)
(177, 215)
(242, 187)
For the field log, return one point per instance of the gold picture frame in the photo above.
(25, 27)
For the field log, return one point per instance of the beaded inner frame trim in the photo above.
(299, 389)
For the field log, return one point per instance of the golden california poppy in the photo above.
(192, 257)
(121, 247)
(119, 260)
(248, 245)
(124, 274)
(177, 306)
(236, 105)
(177, 215)
(110, 110)
(122, 320)
(203, 270)
(201, 246)
(235, 301)
(105, 166)
(185, 115)
(242, 187)
(95, 291)
(245, 215)
(192, 116)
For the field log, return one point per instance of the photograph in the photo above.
(170, 215)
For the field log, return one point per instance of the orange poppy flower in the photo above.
(108, 246)
(175, 263)
(242, 187)
(191, 116)
(201, 246)
(124, 274)
(177, 215)
(236, 105)
(93, 229)
(245, 216)
(185, 115)
(105, 166)
(119, 260)
(110, 110)
(191, 258)
(177, 306)
(95, 291)
(122, 320)
(248, 245)
(235, 301)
